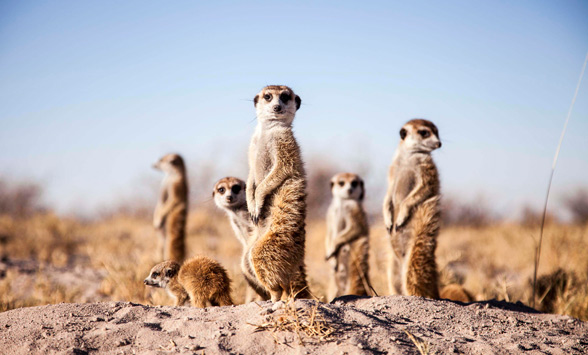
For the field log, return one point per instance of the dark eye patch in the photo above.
(424, 133)
(267, 97)
(236, 189)
(354, 183)
(402, 134)
(285, 97)
(154, 274)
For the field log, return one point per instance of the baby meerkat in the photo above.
(411, 211)
(200, 279)
(229, 195)
(347, 242)
(171, 211)
(276, 196)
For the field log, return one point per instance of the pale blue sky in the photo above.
(91, 93)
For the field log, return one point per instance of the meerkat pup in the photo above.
(276, 196)
(411, 211)
(229, 196)
(347, 241)
(171, 211)
(200, 279)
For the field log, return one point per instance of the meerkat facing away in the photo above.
(229, 195)
(276, 196)
(347, 241)
(411, 211)
(200, 279)
(171, 210)
(455, 292)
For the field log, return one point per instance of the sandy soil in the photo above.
(397, 325)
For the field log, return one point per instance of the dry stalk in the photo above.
(422, 346)
(297, 320)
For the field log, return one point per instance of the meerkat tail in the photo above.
(421, 273)
(175, 235)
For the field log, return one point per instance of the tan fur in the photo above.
(411, 212)
(347, 241)
(229, 195)
(455, 292)
(276, 196)
(200, 279)
(171, 210)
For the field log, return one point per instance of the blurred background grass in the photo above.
(49, 259)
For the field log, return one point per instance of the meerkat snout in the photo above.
(277, 108)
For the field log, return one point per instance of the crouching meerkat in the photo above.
(411, 211)
(171, 211)
(347, 241)
(229, 196)
(276, 196)
(200, 279)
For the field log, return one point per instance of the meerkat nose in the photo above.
(277, 108)
(145, 282)
(439, 145)
(230, 198)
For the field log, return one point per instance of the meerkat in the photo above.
(347, 241)
(455, 292)
(229, 195)
(200, 279)
(276, 196)
(171, 211)
(411, 211)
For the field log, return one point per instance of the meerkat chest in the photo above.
(404, 181)
(263, 156)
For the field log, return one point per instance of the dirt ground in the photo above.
(349, 325)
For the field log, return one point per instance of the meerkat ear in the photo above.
(170, 272)
(402, 134)
(332, 184)
(255, 100)
(213, 193)
(298, 102)
(362, 190)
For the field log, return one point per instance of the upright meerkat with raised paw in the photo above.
(229, 195)
(201, 280)
(412, 213)
(276, 196)
(171, 210)
(347, 241)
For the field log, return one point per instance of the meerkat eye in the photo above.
(267, 97)
(354, 183)
(424, 133)
(154, 274)
(236, 189)
(221, 190)
(285, 97)
(341, 183)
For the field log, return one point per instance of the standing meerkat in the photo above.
(411, 211)
(171, 211)
(200, 279)
(229, 195)
(347, 241)
(276, 196)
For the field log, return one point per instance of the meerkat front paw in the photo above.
(157, 222)
(401, 218)
(254, 218)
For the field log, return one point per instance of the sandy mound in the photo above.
(356, 325)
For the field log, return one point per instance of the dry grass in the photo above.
(494, 261)
(309, 323)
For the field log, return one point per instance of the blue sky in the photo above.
(91, 93)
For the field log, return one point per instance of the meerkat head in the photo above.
(162, 273)
(229, 193)
(420, 135)
(171, 164)
(276, 103)
(348, 186)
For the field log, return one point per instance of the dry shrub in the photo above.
(20, 198)
(577, 205)
(466, 214)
